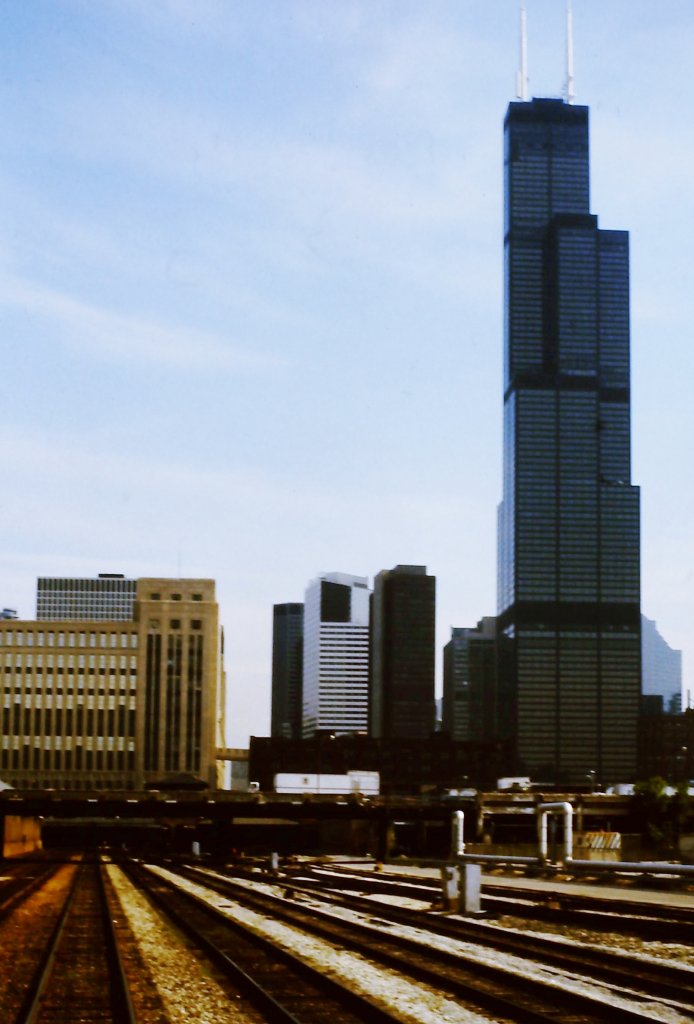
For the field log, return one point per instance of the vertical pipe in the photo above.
(542, 835)
(567, 810)
(568, 833)
(457, 834)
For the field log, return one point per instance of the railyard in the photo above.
(108, 937)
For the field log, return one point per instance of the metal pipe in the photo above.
(659, 866)
(457, 834)
(498, 858)
(561, 807)
(662, 867)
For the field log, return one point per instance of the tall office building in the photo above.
(569, 575)
(108, 597)
(99, 703)
(661, 671)
(336, 655)
(401, 691)
(469, 682)
(287, 670)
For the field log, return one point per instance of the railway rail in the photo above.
(285, 988)
(78, 974)
(659, 979)
(515, 990)
(647, 921)
(20, 880)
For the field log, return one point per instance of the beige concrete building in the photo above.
(121, 704)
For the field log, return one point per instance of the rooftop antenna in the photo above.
(570, 85)
(522, 73)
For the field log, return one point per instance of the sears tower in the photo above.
(569, 577)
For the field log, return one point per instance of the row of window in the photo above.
(82, 720)
(67, 760)
(175, 624)
(50, 638)
(71, 661)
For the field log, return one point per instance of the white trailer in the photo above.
(515, 782)
(353, 782)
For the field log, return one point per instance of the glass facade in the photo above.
(336, 655)
(402, 662)
(469, 682)
(287, 670)
(110, 597)
(568, 571)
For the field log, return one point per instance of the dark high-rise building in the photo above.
(402, 662)
(469, 682)
(569, 576)
(287, 670)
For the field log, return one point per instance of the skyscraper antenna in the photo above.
(522, 73)
(570, 85)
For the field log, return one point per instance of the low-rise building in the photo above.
(115, 703)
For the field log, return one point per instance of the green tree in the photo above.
(662, 815)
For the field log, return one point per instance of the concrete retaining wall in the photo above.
(19, 835)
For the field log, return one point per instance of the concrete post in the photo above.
(470, 900)
(460, 885)
(450, 887)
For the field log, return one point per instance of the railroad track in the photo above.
(20, 880)
(513, 990)
(282, 986)
(641, 920)
(654, 979)
(660, 979)
(79, 975)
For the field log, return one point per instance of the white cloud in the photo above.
(106, 334)
(212, 18)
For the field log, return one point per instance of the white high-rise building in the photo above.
(336, 655)
(661, 668)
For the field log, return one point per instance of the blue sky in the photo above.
(250, 281)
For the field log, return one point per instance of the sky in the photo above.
(251, 293)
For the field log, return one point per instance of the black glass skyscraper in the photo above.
(287, 670)
(402, 654)
(569, 575)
